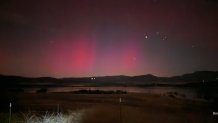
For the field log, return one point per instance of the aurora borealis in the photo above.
(73, 38)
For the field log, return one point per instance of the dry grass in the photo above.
(54, 118)
(71, 117)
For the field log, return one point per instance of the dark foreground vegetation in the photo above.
(99, 92)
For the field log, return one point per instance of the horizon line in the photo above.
(104, 75)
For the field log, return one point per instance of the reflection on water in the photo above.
(188, 93)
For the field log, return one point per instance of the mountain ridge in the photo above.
(197, 76)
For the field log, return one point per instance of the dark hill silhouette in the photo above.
(16, 81)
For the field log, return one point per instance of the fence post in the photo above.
(120, 110)
(58, 108)
(57, 117)
(10, 106)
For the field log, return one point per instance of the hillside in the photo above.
(199, 76)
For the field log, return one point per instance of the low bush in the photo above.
(99, 92)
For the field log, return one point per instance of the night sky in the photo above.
(80, 38)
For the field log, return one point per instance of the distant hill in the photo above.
(16, 81)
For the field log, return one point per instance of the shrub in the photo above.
(99, 92)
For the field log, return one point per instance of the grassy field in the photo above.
(106, 108)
